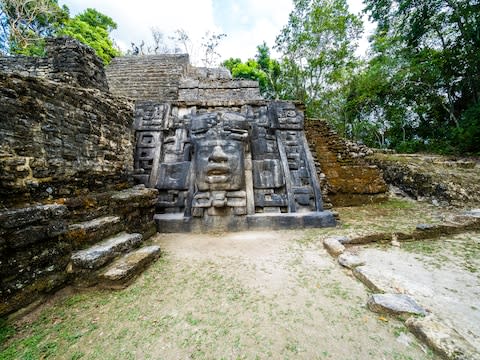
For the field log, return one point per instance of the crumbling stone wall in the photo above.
(346, 178)
(67, 61)
(170, 77)
(56, 140)
(66, 169)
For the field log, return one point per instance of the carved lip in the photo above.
(217, 173)
(217, 170)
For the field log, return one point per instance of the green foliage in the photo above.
(25, 23)
(6, 331)
(264, 69)
(92, 28)
(317, 47)
(421, 85)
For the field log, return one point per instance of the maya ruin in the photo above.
(95, 162)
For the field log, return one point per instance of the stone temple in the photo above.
(95, 161)
(221, 157)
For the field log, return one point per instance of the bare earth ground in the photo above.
(260, 295)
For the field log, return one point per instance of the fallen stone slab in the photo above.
(123, 270)
(373, 279)
(99, 254)
(394, 304)
(444, 340)
(473, 213)
(350, 261)
(342, 239)
(333, 246)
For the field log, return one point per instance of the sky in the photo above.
(247, 23)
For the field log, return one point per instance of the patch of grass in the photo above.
(6, 331)
(335, 290)
(397, 204)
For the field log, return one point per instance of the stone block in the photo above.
(121, 272)
(93, 230)
(394, 304)
(350, 261)
(22, 217)
(333, 246)
(268, 174)
(444, 340)
(99, 254)
(174, 176)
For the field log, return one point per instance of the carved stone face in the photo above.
(219, 164)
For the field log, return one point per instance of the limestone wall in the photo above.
(67, 61)
(346, 178)
(56, 140)
(66, 166)
(150, 77)
(170, 77)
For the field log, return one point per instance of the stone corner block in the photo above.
(333, 246)
(444, 340)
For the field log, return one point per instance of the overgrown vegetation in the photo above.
(24, 25)
(416, 91)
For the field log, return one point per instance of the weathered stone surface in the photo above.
(94, 230)
(121, 271)
(57, 140)
(138, 195)
(66, 149)
(431, 178)
(333, 246)
(30, 215)
(350, 261)
(175, 222)
(394, 304)
(473, 213)
(68, 61)
(152, 77)
(345, 176)
(444, 340)
(372, 279)
(101, 253)
(200, 158)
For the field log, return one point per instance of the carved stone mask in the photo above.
(219, 164)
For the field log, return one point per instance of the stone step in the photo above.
(101, 253)
(121, 272)
(92, 231)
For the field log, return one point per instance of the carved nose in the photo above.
(218, 155)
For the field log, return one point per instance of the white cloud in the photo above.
(135, 19)
(247, 23)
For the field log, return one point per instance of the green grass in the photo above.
(6, 331)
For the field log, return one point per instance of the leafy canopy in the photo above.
(24, 24)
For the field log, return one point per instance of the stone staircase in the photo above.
(108, 249)
(153, 77)
(112, 257)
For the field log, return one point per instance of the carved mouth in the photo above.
(217, 173)
(217, 170)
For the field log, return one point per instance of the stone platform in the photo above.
(177, 223)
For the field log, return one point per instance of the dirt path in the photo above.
(270, 295)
